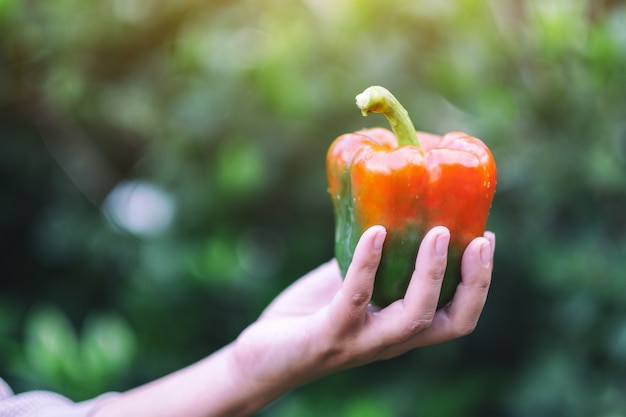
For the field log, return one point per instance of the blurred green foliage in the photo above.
(162, 169)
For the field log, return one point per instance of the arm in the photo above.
(320, 325)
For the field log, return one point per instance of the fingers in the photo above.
(413, 321)
(350, 304)
(471, 293)
(404, 319)
(460, 316)
(430, 266)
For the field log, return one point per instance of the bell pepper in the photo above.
(407, 182)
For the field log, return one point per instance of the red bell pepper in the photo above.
(377, 177)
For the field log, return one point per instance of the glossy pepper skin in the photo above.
(408, 187)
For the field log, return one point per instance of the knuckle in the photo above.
(360, 299)
(418, 325)
(464, 329)
(483, 285)
(412, 327)
(438, 270)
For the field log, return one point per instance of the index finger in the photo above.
(351, 302)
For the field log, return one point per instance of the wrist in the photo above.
(254, 379)
(271, 359)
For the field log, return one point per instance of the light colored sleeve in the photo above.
(45, 404)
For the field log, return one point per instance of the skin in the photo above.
(319, 325)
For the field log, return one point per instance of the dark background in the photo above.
(162, 179)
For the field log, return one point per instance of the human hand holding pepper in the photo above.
(319, 325)
(322, 324)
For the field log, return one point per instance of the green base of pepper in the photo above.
(398, 264)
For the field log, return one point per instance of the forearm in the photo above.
(212, 387)
(319, 325)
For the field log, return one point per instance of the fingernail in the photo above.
(485, 254)
(441, 244)
(379, 240)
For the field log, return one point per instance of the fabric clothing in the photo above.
(45, 404)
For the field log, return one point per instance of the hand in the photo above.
(317, 326)
(322, 323)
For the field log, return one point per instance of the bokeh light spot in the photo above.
(139, 207)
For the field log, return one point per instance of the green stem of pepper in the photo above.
(378, 99)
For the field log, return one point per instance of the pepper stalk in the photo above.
(377, 99)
